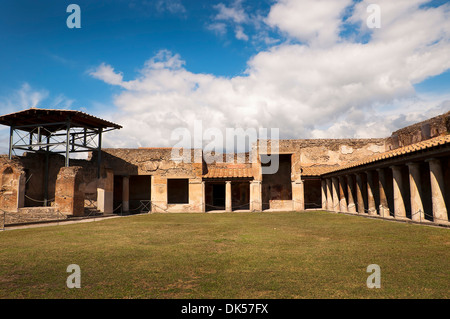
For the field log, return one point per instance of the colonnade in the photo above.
(409, 191)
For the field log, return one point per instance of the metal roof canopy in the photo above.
(72, 131)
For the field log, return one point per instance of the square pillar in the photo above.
(440, 213)
(69, 194)
(105, 192)
(196, 195)
(126, 193)
(159, 194)
(417, 213)
(298, 197)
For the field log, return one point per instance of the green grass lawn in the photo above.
(230, 255)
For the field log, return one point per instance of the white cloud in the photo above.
(173, 6)
(23, 98)
(235, 16)
(234, 13)
(240, 35)
(218, 27)
(311, 21)
(328, 87)
(107, 74)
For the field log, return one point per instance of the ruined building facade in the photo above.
(405, 176)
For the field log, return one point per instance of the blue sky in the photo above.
(286, 64)
(40, 50)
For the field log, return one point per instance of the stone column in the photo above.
(440, 213)
(417, 213)
(399, 204)
(329, 195)
(228, 200)
(342, 200)
(324, 193)
(126, 193)
(370, 194)
(350, 189)
(360, 194)
(384, 206)
(255, 196)
(335, 194)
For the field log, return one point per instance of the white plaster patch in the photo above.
(346, 149)
(376, 148)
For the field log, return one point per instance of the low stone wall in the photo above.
(30, 214)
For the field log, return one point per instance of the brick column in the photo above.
(384, 206)
(228, 201)
(329, 195)
(399, 204)
(360, 194)
(350, 190)
(440, 213)
(417, 213)
(335, 183)
(126, 193)
(370, 194)
(342, 200)
(69, 193)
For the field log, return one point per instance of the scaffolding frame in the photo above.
(58, 132)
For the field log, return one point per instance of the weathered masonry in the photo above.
(405, 176)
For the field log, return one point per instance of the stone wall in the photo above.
(415, 133)
(30, 215)
(309, 152)
(152, 161)
(12, 183)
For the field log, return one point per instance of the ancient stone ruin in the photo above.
(405, 176)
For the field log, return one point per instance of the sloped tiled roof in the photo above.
(420, 146)
(34, 116)
(317, 170)
(226, 172)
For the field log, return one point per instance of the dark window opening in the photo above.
(178, 191)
